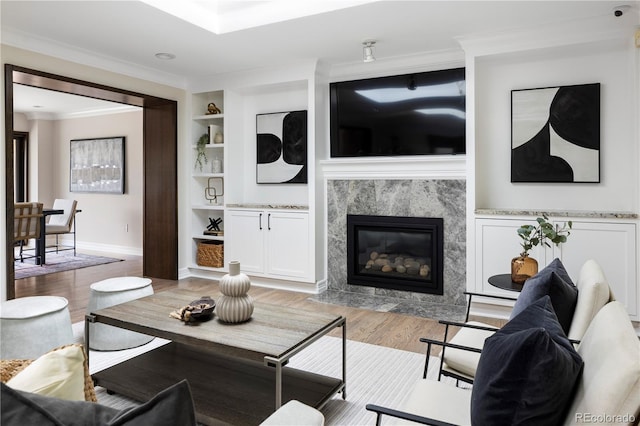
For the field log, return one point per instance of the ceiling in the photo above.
(231, 36)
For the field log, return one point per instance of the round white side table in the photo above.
(110, 292)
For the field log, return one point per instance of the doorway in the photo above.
(160, 217)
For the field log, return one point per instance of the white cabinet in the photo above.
(611, 244)
(272, 243)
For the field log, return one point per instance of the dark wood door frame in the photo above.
(160, 153)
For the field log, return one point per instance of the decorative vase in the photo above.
(218, 138)
(522, 268)
(235, 305)
(216, 166)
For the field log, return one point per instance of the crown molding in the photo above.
(420, 62)
(26, 41)
(593, 31)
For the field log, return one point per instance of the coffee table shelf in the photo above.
(237, 373)
(224, 389)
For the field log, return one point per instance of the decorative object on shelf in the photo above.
(555, 134)
(523, 266)
(218, 138)
(235, 305)
(210, 253)
(211, 192)
(201, 158)
(281, 147)
(97, 165)
(213, 109)
(215, 134)
(216, 165)
(198, 310)
(214, 227)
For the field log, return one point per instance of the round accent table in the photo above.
(32, 326)
(114, 291)
(504, 282)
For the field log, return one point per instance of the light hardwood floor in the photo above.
(379, 328)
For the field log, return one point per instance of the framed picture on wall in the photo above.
(281, 143)
(97, 165)
(555, 134)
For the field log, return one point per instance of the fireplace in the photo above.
(396, 253)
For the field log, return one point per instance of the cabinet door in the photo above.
(288, 244)
(497, 242)
(613, 246)
(244, 239)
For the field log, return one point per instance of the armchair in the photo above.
(609, 385)
(26, 224)
(63, 223)
(461, 354)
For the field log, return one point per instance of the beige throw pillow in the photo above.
(59, 373)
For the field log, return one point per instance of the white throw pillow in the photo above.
(59, 374)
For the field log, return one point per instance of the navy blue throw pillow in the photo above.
(527, 371)
(555, 282)
(172, 406)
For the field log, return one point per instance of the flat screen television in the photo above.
(411, 114)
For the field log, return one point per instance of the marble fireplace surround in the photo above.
(444, 198)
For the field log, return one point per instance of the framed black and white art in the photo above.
(97, 165)
(555, 134)
(281, 147)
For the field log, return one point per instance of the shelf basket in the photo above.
(210, 253)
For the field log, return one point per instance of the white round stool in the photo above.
(109, 292)
(32, 326)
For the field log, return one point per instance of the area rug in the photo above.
(59, 262)
(375, 374)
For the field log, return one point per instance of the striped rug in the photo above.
(375, 374)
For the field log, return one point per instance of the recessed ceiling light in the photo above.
(165, 56)
(38, 106)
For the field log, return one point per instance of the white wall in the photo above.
(495, 77)
(121, 229)
(261, 103)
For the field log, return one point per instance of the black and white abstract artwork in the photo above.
(555, 134)
(97, 165)
(282, 147)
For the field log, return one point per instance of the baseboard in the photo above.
(216, 274)
(105, 248)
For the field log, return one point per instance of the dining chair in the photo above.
(62, 223)
(26, 224)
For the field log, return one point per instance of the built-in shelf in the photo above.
(209, 117)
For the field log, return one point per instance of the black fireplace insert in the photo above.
(395, 252)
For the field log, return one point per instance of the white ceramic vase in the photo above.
(235, 305)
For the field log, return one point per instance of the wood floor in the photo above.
(379, 328)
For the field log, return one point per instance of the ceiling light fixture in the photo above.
(165, 56)
(367, 51)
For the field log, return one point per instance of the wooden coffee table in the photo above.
(237, 372)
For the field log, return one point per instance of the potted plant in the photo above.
(201, 158)
(523, 266)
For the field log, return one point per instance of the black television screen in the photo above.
(412, 114)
